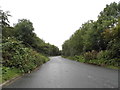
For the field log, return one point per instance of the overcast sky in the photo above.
(54, 20)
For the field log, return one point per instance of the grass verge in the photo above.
(9, 73)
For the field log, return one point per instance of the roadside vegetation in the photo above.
(97, 42)
(22, 50)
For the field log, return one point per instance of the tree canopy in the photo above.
(102, 34)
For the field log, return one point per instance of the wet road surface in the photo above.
(64, 73)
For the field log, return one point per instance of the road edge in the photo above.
(11, 80)
(17, 77)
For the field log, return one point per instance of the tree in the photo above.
(107, 19)
(4, 22)
(24, 31)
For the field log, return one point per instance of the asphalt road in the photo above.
(64, 73)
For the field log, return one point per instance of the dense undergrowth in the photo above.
(18, 59)
(113, 64)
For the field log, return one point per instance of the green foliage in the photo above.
(90, 36)
(78, 58)
(15, 54)
(104, 55)
(90, 55)
(103, 62)
(51, 50)
(9, 73)
(102, 36)
(24, 32)
(7, 32)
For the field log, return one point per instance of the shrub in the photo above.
(106, 58)
(15, 54)
(104, 55)
(90, 55)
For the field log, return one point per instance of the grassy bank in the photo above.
(9, 73)
(104, 63)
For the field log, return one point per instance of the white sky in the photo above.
(54, 20)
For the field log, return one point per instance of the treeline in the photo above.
(97, 40)
(24, 31)
(22, 50)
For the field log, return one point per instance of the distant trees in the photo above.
(101, 35)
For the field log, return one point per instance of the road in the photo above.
(64, 73)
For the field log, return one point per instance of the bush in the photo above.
(113, 62)
(90, 55)
(15, 54)
(104, 55)
(106, 58)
